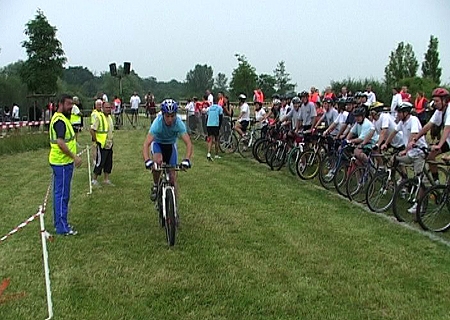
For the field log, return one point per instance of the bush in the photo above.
(22, 143)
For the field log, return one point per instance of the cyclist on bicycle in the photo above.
(274, 112)
(385, 125)
(329, 116)
(362, 134)
(308, 112)
(162, 142)
(291, 119)
(244, 116)
(441, 119)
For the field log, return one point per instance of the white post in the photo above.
(89, 168)
(46, 267)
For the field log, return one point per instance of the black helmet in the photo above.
(349, 100)
(328, 100)
(275, 96)
(303, 94)
(360, 111)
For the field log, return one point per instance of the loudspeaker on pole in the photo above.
(126, 67)
(113, 69)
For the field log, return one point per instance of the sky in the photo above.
(320, 41)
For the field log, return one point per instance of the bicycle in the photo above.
(228, 140)
(309, 161)
(358, 180)
(166, 201)
(246, 142)
(434, 204)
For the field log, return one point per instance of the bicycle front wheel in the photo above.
(327, 167)
(228, 142)
(357, 184)
(308, 165)
(171, 223)
(380, 193)
(340, 178)
(405, 203)
(434, 213)
(293, 157)
(244, 147)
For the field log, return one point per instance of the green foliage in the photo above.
(266, 83)
(402, 64)
(418, 84)
(221, 83)
(430, 64)
(18, 143)
(282, 79)
(45, 56)
(244, 78)
(12, 89)
(382, 91)
(199, 80)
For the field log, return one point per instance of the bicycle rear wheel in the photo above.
(405, 199)
(434, 213)
(170, 223)
(380, 192)
(340, 178)
(259, 150)
(278, 158)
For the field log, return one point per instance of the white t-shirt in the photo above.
(105, 98)
(245, 112)
(190, 108)
(340, 120)
(259, 115)
(15, 112)
(385, 121)
(396, 101)
(436, 118)
(135, 101)
(371, 97)
(412, 125)
(210, 99)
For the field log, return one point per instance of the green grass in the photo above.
(253, 244)
(17, 143)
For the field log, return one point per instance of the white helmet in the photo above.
(242, 96)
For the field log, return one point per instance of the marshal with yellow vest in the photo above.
(56, 156)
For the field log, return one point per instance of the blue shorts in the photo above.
(169, 152)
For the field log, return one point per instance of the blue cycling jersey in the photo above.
(165, 134)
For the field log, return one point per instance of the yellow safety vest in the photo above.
(102, 130)
(75, 118)
(56, 156)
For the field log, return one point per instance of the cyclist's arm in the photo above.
(146, 147)
(318, 121)
(187, 141)
(368, 137)
(390, 138)
(331, 128)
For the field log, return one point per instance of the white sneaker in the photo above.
(217, 157)
(208, 156)
(413, 209)
(95, 183)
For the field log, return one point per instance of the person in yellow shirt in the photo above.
(62, 159)
(102, 134)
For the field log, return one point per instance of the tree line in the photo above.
(43, 73)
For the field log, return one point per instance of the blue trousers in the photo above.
(62, 178)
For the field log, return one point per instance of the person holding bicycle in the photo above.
(362, 134)
(440, 119)
(244, 116)
(410, 126)
(162, 142)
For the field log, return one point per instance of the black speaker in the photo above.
(113, 69)
(126, 67)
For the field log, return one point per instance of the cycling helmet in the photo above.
(296, 100)
(342, 101)
(169, 106)
(242, 96)
(358, 94)
(404, 107)
(377, 107)
(328, 100)
(303, 94)
(276, 102)
(275, 96)
(360, 111)
(440, 92)
(348, 100)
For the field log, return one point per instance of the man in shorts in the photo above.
(162, 142)
(244, 117)
(215, 114)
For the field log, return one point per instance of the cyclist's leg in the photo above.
(238, 128)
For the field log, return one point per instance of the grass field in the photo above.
(253, 244)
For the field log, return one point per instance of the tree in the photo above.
(199, 80)
(266, 83)
(45, 56)
(220, 83)
(282, 79)
(430, 65)
(243, 78)
(402, 64)
(77, 75)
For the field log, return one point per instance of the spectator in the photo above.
(104, 97)
(117, 112)
(215, 114)
(406, 96)
(313, 96)
(344, 94)
(258, 96)
(150, 106)
(134, 107)
(15, 112)
(190, 113)
(396, 101)
(420, 104)
(210, 98)
(76, 116)
(329, 94)
(371, 97)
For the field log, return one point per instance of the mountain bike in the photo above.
(246, 142)
(228, 140)
(166, 204)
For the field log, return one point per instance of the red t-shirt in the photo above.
(406, 97)
(198, 107)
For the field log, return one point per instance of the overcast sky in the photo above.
(318, 40)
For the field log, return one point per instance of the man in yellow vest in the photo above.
(62, 158)
(75, 117)
(102, 135)
(94, 114)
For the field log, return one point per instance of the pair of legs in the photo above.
(103, 162)
(241, 127)
(164, 153)
(213, 137)
(62, 177)
(134, 119)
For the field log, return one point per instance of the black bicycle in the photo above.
(166, 204)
